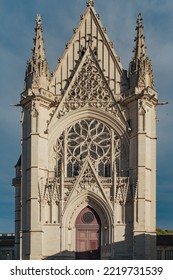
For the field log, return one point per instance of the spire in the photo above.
(141, 74)
(140, 49)
(37, 73)
(38, 51)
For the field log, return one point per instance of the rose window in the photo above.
(87, 139)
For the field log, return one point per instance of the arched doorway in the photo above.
(88, 235)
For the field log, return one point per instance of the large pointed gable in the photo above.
(88, 89)
(90, 32)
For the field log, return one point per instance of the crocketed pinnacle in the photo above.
(37, 68)
(140, 70)
(140, 49)
(38, 50)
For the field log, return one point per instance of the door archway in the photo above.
(88, 235)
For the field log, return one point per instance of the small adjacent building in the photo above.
(165, 247)
(7, 246)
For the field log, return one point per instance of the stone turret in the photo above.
(140, 70)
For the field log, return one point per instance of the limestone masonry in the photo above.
(88, 165)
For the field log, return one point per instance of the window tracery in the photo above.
(87, 138)
(90, 89)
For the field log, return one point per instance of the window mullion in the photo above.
(112, 155)
(65, 152)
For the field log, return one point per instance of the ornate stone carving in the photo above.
(146, 74)
(90, 89)
(51, 192)
(34, 110)
(122, 190)
(59, 147)
(88, 182)
(142, 110)
(87, 138)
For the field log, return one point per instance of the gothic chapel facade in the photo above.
(88, 163)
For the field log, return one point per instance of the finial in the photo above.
(139, 16)
(38, 20)
(90, 3)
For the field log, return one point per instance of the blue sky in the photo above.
(17, 22)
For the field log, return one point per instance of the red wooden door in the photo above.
(87, 235)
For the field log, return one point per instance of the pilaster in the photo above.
(142, 114)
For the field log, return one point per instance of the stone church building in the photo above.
(88, 162)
